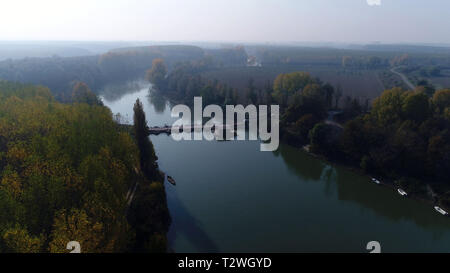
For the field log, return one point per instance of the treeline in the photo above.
(370, 62)
(60, 74)
(356, 58)
(405, 137)
(319, 56)
(65, 170)
(228, 57)
(149, 215)
(185, 81)
(304, 101)
(128, 63)
(299, 95)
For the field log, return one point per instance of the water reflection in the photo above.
(388, 203)
(355, 188)
(187, 226)
(114, 92)
(231, 197)
(158, 101)
(306, 167)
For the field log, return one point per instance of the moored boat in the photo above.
(440, 210)
(402, 192)
(171, 180)
(376, 181)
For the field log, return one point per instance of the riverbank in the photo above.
(285, 201)
(148, 213)
(385, 182)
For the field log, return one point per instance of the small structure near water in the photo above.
(402, 192)
(440, 210)
(171, 180)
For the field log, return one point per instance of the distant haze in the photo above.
(410, 21)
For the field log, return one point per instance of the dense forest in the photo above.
(115, 66)
(185, 81)
(405, 137)
(368, 57)
(65, 170)
(362, 73)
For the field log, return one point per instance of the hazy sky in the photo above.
(227, 20)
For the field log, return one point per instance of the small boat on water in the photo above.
(402, 192)
(171, 180)
(440, 210)
(376, 181)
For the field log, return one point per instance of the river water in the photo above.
(230, 197)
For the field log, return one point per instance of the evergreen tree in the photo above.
(147, 154)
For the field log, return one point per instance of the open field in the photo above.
(441, 82)
(354, 83)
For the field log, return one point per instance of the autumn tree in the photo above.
(75, 225)
(65, 170)
(82, 94)
(18, 240)
(416, 106)
(150, 217)
(286, 85)
(441, 99)
(157, 73)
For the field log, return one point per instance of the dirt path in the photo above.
(330, 119)
(404, 78)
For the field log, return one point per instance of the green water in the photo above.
(230, 197)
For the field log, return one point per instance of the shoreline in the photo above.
(383, 183)
(424, 198)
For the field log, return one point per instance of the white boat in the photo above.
(376, 181)
(440, 210)
(402, 192)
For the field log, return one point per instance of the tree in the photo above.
(374, 62)
(323, 138)
(251, 94)
(416, 106)
(82, 94)
(347, 61)
(441, 99)
(337, 96)
(65, 170)
(304, 124)
(18, 240)
(435, 71)
(329, 92)
(157, 73)
(75, 225)
(352, 108)
(426, 87)
(286, 85)
(387, 109)
(150, 217)
(147, 154)
(400, 60)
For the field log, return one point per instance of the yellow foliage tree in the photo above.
(17, 240)
(76, 226)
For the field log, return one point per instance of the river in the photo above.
(230, 197)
